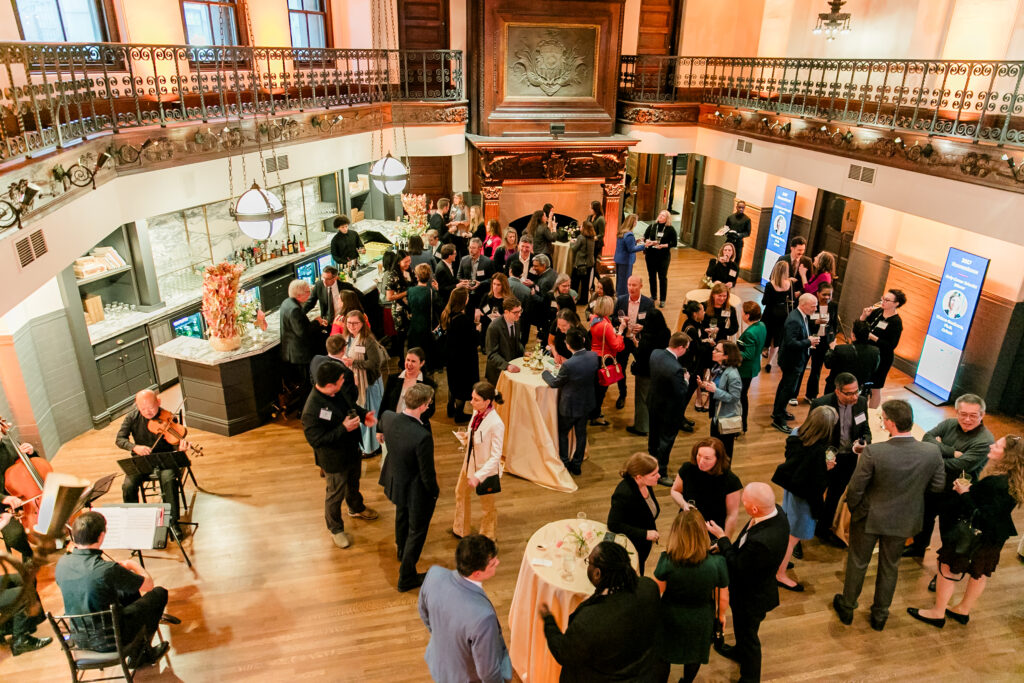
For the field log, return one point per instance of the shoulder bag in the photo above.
(701, 398)
(728, 425)
(491, 484)
(610, 371)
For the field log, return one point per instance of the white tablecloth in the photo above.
(539, 585)
(530, 414)
(560, 257)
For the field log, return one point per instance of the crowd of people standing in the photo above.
(474, 289)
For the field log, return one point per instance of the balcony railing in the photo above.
(966, 100)
(51, 93)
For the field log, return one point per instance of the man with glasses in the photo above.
(849, 437)
(502, 342)
(964, 443)
(825, 321)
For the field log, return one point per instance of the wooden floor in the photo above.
(271, 599)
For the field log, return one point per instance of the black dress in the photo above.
(725, 319)
(725, 273)
(991, 504)
(461, 357)
(708, 491)
(888, 331)
(777, 306)
(489, 306)
(630, 514)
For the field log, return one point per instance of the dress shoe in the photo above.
(877, 624)
(688, 421)
(599, 423)
(790, 416)
(727, 651)
(829, 538)
(796, 588)
(686, 427)
(620, 402)
(341, 540)
(661, 304)
(452, 532)
(785, 429)
(700, 409)
(416, 582)
(636, 432)
(916, 613)
(170, 619)
(366, 513)
(575, 470)
(790, 565)
(154, 654)
(931, 584)
(913, 551)
(666, 481)
(845, 615)
(957, 617)
(798, 551)
(27, 643)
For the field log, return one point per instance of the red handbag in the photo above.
(610, 373)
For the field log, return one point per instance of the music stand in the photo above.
(159, 540)
(99, 489)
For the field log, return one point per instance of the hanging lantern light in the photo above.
(389, 175)
(259, 213)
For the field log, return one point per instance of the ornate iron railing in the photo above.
(51, 93)
(968, 100)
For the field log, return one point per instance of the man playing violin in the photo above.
(135, 436)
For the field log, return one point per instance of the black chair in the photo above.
(94, 642)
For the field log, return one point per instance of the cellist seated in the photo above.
(135, 436)
(13, 533)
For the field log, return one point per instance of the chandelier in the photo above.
(834, 22)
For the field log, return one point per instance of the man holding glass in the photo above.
(798, 339)
(964, 443)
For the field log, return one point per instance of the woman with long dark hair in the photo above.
(397, 281)
(634, 510)
(582, 256)
(778, 301)
(726, 389)
(460, 352)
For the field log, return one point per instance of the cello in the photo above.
(25, 478)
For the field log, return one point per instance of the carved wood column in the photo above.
(492, 198)
(612, 209)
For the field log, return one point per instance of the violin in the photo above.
(25, 478)
(163, 424)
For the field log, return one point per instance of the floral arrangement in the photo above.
(579, 539)
(415, 206)
(220, 290)
(251, 314)
(573, 229)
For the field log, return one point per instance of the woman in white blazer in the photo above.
(482, 459)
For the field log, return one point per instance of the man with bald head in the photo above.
(798, 338)
(634, 306)
(134, 436)
(752, 561)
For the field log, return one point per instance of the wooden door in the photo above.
(422, 25)
(659, 22)
(431, 176)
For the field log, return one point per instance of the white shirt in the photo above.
(335, 295)
(754, 522)
(400, 408)
(634, 310)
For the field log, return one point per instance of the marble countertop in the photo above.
(107, 329)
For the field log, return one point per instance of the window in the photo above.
(66, 21)
(309, 21)
(211, 22)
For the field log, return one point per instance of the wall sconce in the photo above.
(776, 127)
(78, 174)
(324, 124)
(129, 154)
(836, 137)
(18, 200)
(1017, 171)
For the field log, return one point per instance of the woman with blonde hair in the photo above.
(804, 478)
(582, 252)
(988, 504)
(689, 577)
(634, 510)
(605, 341)
(506, 251)
(626, 248)
(482, 460)
(477, 227)
(365, 358)
(777, 301)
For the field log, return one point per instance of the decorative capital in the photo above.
(613, 189)
(491, 193)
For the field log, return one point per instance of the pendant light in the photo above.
(389, 175)
(259, 213)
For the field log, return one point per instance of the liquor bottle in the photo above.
(291, 244)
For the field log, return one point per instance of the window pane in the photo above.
(294, 4)
(224, 25)
(315, 5)
(40, 21)
(197, 24)
(316, 31)
(82, 21)
(298, 26)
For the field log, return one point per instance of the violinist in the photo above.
(13, 532)
(135, 436)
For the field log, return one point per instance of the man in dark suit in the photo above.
(330, 421)
(853, 427)
(433, 245)
(825, 323)
(753, 561)
(797, 342)
(738, 225)
(297, 336)
(475, 271)
(409, 480)
(538, 309)
(501, 343)
(665, 399)
(327, 293)
(336, 353)
(575, 382)
(859, 358)
(635, 306)
(444, 273)
(886, 500)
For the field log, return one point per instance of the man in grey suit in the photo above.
(501, 344)
(886, 500)
(297, 337)
(465, 635)
(576, 398)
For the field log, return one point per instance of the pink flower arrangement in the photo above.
(415, 206)
(220, 288)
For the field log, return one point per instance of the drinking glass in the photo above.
(568, 565)
(581, 515)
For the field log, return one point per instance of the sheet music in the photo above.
(130, 528)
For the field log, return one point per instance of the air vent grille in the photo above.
(30, 248)
(864, 174)
(743, 146)
(278, 163)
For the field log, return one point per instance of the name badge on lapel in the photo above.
(732, 273)
(859, 418)
(358, 348)
(325, 414)
(641, 316)
(881, 325)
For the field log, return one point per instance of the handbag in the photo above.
(609, 373)
(728, 425)
(963, 538)
(491, 484)
(701, 398)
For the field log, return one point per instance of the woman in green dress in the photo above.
(688, 578)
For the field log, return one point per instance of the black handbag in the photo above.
(491, 484)
(963, 538)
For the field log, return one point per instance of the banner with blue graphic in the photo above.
(778, 230)
(952, 314)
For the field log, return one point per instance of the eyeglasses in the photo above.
(968, 416)
(855, 392)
